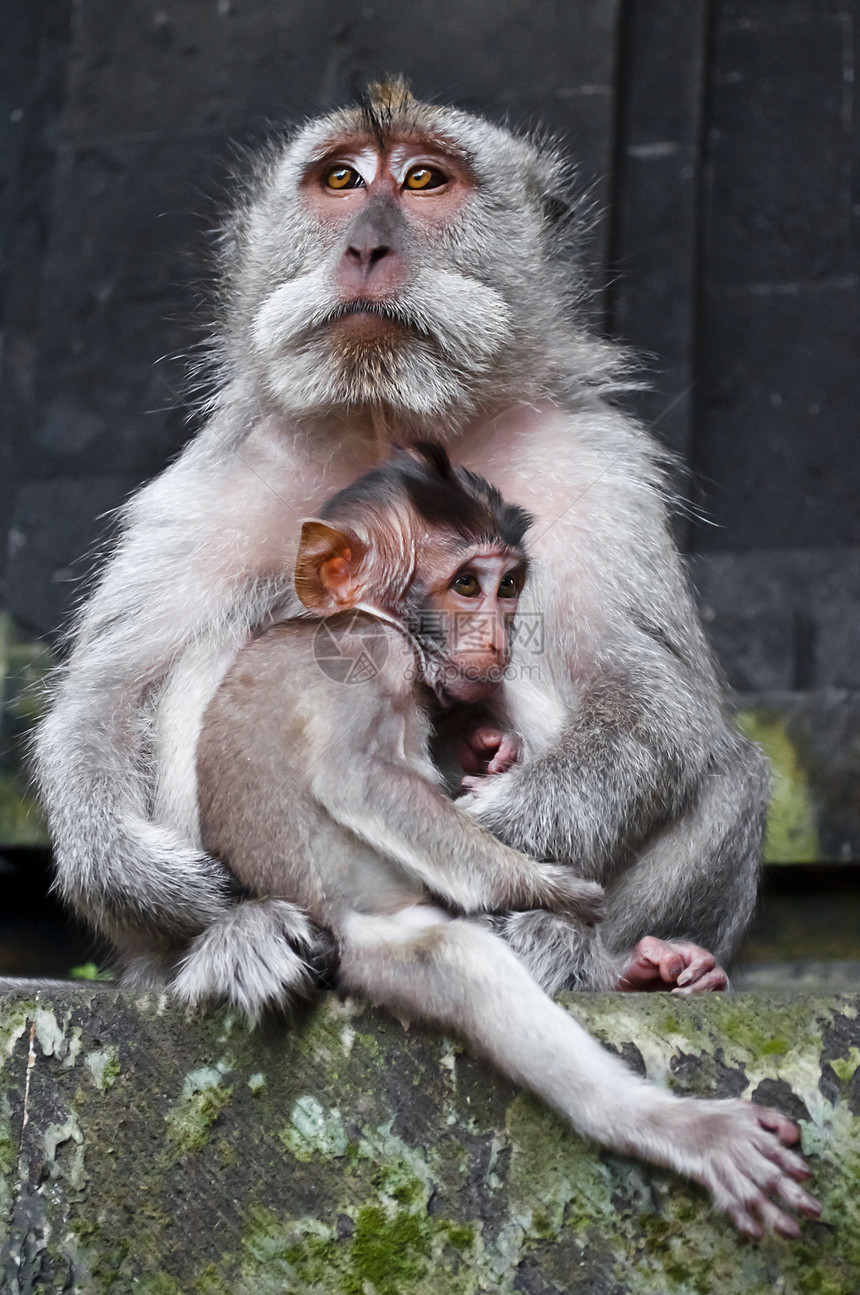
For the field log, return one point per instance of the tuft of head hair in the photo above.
(383, 103)
(444, 496)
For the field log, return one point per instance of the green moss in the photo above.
(399, 1183)
(190, 1121)
(158, 1284)
(312, 1260)
(387, 1252)
(104, 1066)
(792, 830)
(313, 1132)
(23, 667)
(461, 1235)
(13, 1023)
(90, 971)
(845, 1068)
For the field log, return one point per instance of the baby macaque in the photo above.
(317, 788)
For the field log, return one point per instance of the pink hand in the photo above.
(678, 965)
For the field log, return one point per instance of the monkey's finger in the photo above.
(792, 1195)
(651, 949)
(639, 975)
(744, 1222)
(711, 982)
(506, 755)
(701, 963)
(784, 1128)
(774, 1219)
(671, 965)
(666, 957)
(486, 738)
(799, 1200)
(782, 1178)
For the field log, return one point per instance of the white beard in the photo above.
(454, 329)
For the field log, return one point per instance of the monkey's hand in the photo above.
(485, 751)
(570, 895)
(676, 965)
(740, 1153)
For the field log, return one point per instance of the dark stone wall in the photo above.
(719, 140)
(151, 100)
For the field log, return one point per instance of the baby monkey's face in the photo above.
(433, 547)
(465, 619)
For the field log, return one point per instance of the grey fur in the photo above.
(630, 768)
(325, 792)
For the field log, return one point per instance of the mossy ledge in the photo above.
(144, 1149)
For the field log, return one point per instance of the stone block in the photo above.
(775, 432)
(147, 1151)
(55, 528)
(782, 619)
(780, 127)
(654, 247)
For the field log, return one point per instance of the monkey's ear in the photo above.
(329, 567)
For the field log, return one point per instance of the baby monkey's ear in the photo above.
(329, 567)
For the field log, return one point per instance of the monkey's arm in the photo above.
(647, 785)
(404, 817)
(118, 864)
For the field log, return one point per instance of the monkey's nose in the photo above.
(366, 256)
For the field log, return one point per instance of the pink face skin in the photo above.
(410, 183)
(477, 607)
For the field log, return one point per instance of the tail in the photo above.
(260, 954)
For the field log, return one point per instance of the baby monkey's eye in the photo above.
(344, 177)
(420, 178)
(466, 584)
(509, 587)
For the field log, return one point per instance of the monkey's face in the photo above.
(385, 265)
(464, 621)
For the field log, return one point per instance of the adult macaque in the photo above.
(321, 790)
(400, 269)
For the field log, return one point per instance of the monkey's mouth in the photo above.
(374, 320)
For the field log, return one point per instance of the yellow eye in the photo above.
(424, 177)
(509, 587)
(344, 177)
(466, 585)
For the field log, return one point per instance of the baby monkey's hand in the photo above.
(485, 751)
(571, 895)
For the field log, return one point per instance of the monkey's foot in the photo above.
(259, 954)
(676, 965)
(740, 1152)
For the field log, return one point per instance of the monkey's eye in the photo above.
(466, 585)
(344, 177)
(509, 586)
(419, 178)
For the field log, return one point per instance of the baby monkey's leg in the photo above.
(464, 979)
